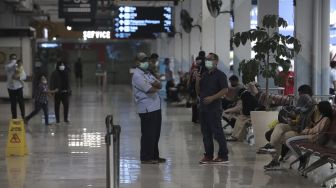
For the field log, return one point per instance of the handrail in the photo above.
(112, 160)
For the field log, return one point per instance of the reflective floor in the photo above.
(73, 155)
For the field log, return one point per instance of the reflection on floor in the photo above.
(73, 155)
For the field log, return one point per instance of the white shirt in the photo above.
(332, 77)
(14, 84)
(146, 102)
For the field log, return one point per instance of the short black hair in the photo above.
(11, 56)
(215, 56)
(154, 56)
(305, 89)
(234, 78)
(332, 64)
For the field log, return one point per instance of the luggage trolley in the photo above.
(112, 140)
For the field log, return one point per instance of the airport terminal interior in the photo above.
(88, 56)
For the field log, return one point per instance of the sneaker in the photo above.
(231, 139)
(149, 162)
(273, 165)
(220, 160)
(161, 160)
(206, 160)
(268, 148)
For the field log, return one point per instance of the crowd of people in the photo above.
(59, 89)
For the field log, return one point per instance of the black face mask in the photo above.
(234, 85)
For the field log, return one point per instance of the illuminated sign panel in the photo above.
(142, 22)
(77, 8)
(96, 35)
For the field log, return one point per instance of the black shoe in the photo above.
(303, 163)
(149, 162)
(161, 160)
(273, 165)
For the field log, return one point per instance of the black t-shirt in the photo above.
(210, 84)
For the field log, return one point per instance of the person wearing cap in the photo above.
(145, 90)
(211, 86)
(15, 85)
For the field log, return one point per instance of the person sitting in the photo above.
(229, 101)
(248, 103)
(314, 133)
(172, 91)
(294, 125)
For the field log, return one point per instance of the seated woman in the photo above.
(283, 131)
(313, 134)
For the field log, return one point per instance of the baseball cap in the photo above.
(142, 57)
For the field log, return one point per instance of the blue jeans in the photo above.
(211, 127)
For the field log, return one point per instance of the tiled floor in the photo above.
(73, 155)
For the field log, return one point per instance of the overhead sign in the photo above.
(142, 22)
(77, 8)
(96, 35)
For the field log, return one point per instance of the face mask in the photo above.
(156, 63)
(144, 65)
(44, 81)
(61, 68)
(13, 61)
(209, 65)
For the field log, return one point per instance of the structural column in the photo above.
(222, 38)
(196, 34)
(266, 7)
(178, 40)
(186, 58)
(242, 22)
(208, 29)
(325, 39)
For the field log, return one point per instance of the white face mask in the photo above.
(61, 68)
(44, 81)
(209, 65)
(13, 61)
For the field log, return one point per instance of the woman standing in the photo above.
(60, 82)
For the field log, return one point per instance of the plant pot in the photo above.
(260, 121)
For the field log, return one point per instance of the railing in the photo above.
(112, 140)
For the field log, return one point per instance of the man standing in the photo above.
(147, 99)
(211, 87)
(15, 85)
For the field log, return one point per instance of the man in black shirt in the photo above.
(211, 86)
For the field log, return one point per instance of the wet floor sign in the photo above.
(16, 141)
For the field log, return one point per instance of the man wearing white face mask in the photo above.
(60, 82)
(148, 102)
(211, 86)
(15, 86)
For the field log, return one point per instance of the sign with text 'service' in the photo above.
(77, 8)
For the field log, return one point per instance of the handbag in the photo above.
(284, 114)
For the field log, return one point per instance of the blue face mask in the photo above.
(209, 65)
(144, 65)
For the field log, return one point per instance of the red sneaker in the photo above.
(205, 160)
(219, 160)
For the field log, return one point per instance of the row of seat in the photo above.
(326, 153)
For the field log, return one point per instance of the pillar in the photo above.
(242, 22)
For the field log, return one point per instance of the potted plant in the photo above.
(272, 50)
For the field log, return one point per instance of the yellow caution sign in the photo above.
(16, 141)
(16, 171)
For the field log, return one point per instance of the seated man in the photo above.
(230, 100)
(248, 103)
